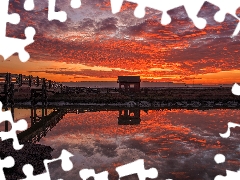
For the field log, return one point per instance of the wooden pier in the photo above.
(37, 87)
(41, 127)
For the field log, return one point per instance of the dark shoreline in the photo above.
(103, 107)
(219, 97)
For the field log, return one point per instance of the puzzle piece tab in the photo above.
(9, 46)
(8, 162)
(61, 15)
(236, 89)
(21, 125)
(53, 15)
(137, 167)
(230, 125)
(226, 7)
(87, 173)
(229, 6)
(29, 5)
(219, 158)
(67, 165)
(75, 3)
(230, 21)
(192, 8)
(231, 175)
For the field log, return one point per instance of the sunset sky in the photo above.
(96, 45)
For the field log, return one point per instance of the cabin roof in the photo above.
(129, 79)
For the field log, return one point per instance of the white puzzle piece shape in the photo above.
(9, 46)
(137, 167)
(8, 162)
(192, 9)
(67, 165)
(20, 125)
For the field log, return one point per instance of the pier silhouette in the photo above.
(42, 123)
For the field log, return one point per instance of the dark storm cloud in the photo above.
(136, 29)
(107, 149)
(108, 24)
(98, 26)
(179, 27)
(86, 150)
(86, 23)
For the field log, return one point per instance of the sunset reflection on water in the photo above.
(181, 144)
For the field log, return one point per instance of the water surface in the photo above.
(181, 144)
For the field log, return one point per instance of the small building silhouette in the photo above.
(129, 83)
(129, 117)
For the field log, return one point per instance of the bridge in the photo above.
(37, 87)
(40, 126)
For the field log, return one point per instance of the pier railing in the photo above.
(41, 127)
(10, 83)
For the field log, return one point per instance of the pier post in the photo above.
(30, 81)
(12, 111)
(49, 84)
(31, 115)
(6, 122)
(37, 84)
(19, 80)
(43, 111)
(44, 93)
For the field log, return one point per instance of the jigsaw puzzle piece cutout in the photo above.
(75, 3)
(116, 5)
(236, 89)
(33, 154)
(226, 7)
(9, 46)
(137, 167)
(53, 15)
(219, 158)
(192, 8)
(175, 19)
(56, 171)
(29, 5)
(238, 12)
(7, 162)
(7, 49)
(229, 175)
(66, 165)
(227, 133)
(87, 173)
(229, 21)
(20, 125)
(28, 171)
(5, 17)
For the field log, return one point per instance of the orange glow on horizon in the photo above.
(56, 71)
